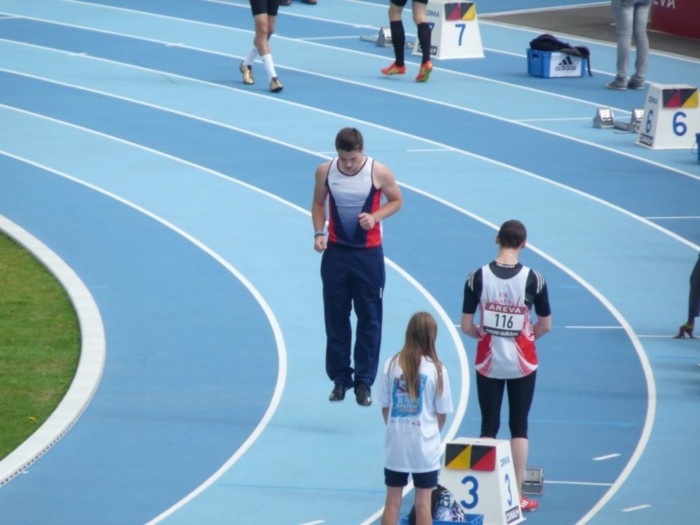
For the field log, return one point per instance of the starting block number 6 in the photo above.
(671, 117)
(679, 127)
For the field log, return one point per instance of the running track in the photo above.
(173, 202)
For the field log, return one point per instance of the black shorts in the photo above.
(402, 3)
(421, 480)
(262, 7)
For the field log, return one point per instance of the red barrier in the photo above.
(677, 17)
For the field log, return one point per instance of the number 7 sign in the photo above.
(455, 30)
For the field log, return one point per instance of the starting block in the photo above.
(634, 123)
(671, 117)
(454, 30)
(481, 475)
(534, 481)
(383, 39)
(604, 118)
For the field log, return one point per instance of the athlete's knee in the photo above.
(518, 430)
(489, 429)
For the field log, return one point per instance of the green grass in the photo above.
(39, 344)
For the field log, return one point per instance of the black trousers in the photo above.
(521, 391)
(353, 278)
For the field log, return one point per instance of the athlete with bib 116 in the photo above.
(505, 292)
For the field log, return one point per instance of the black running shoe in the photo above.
(363, 395)
(338, 393)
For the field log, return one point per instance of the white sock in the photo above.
(269, 66)
(252, 55)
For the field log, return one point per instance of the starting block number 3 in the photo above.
(471, 496)
(480, 474)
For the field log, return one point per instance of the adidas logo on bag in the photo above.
(547, 42)
(566, 65)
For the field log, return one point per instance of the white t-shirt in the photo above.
(412, 439)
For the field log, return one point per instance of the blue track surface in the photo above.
(179, 196)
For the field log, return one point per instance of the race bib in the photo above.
(504, 320)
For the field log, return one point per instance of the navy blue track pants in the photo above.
(353, 278)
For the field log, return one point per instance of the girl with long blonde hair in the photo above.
(415, 398)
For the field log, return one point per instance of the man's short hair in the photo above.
(349, 139)
(512, 234)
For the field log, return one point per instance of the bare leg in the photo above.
(424, 515)
(392, 506)
(519, 447)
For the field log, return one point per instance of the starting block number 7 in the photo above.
(454, 30)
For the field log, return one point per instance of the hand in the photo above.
(320, 243)
(367, 220)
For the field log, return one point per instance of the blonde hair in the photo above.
(421, 334)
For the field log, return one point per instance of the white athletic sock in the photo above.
(269, 66)
(252, 55)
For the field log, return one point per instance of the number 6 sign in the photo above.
(671, 117)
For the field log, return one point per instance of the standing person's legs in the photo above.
(259, 10)
(693, 303)
(424, 484)
(520, 395)
(422, 27)
(641, 40)
(490, 394)
(392, 505)
(694, 295)
(398, 34)
(264, 28)
(264, 18)
(422, 504)
(368, 280)
(623, 15)
(336, 309)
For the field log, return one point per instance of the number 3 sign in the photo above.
(480, 474)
